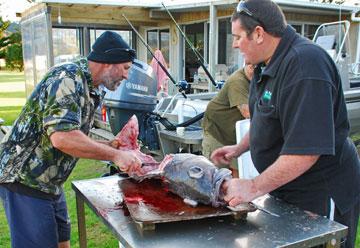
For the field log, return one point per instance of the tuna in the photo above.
(192, 177)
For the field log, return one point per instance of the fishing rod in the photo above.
(198, 55)
(180, 86)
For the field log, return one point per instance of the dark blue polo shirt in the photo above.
(297, 107)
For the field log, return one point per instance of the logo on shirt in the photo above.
(267, 96)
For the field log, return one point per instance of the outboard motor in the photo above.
(136, 95)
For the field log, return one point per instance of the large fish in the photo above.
(192, 177)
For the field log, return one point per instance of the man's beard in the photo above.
(109, 82)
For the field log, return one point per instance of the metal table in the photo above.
(294, 227)
(171, 141)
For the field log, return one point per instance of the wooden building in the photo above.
(59, 30)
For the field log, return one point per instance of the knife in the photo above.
(264, 210)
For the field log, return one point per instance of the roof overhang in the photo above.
(157, 11)
(286, 5)
(117, 3)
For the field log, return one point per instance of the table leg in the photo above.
(81, 221)
(333, 243)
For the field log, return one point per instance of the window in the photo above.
(35, 49)
(164, 44)
(125, 34)
(305, 29)
(297, 27)
(309, 30)
(152, 41)
(66, 44)
(196, 35)
(159, 39)
(227, 55)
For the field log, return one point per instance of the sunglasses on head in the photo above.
(241, 8)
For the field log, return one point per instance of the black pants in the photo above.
(349, 219)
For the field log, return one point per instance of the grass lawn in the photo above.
(11, 76)
(9, 114)
(14, 94)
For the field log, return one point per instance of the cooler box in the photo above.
(246, 167)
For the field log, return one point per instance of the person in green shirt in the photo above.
(224, 110)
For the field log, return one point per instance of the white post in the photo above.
(212, 43)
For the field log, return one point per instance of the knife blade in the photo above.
(264, 210)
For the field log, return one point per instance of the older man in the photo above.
(299, 127)
(49, 136)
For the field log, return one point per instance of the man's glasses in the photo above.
(241, 8)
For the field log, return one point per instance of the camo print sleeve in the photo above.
(62, 110)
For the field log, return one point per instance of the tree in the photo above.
(14, 57)
(4, 38)
(10, 46)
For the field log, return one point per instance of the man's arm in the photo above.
(77, 144)
(113, 143)
(244, 110)
(225, 154)
(285, 169)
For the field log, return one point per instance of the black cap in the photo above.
(110, 48)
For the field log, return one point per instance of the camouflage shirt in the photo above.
(64, 100)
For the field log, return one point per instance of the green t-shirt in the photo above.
(221, 113)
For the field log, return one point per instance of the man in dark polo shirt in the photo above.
(299, 127)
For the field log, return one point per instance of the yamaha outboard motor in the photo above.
(136, 95)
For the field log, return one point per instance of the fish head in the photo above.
(193, 177)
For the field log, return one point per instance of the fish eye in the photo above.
(196, 172)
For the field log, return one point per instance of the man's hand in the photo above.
(225, 154)
(285, 169)
(244, 110)
(128, 162)
(239, 191)
(77, 144)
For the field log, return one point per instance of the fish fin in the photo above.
(190, 202)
